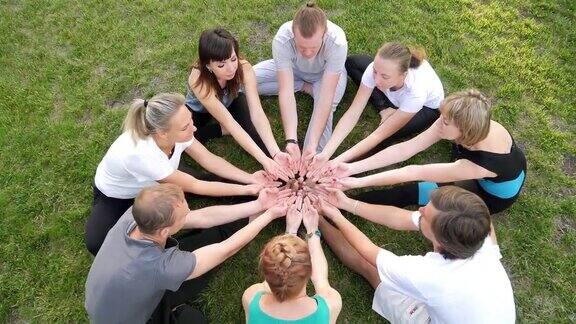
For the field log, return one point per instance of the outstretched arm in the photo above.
(257, 115)
(323, 108)
(209, 188)
(348, 120)
(210, 256)
(398, 152)
(390, 126)
(353, 235)
(217, 165)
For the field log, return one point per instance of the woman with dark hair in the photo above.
(222, 88)
(403, 88)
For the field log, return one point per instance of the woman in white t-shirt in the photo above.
(404, 89)
(156, 132)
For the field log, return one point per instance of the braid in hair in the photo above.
(285, 264)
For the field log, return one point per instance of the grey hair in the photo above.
(148, 117)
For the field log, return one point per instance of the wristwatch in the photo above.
(291, 141)
(309, 235)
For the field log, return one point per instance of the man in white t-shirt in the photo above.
(309, 53)
(461, 281)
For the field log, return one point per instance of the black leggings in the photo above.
(209, 128)
(418, 193)
(191, 289)
(355, 66)
(106, 211)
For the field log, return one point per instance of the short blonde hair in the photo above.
(286, 266)
(470, 111)
(308, 19)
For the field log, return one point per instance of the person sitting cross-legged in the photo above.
(287, 263)
(461, 281)
(142, 274)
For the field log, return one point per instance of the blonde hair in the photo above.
(407, 57)
(309, 18)
(147, 117)
(286, 266)
(470, 111)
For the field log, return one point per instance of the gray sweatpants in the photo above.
(268, 85)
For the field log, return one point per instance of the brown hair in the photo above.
(470, 111)
(286, 266)
(217, 45)
(407, 57)
(154, 207)
(146, 117)
(309, 18)
(462, 224)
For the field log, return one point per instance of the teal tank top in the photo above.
(257, 316)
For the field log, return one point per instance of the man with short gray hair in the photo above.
(142, 274)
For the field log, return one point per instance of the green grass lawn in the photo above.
(67, 68)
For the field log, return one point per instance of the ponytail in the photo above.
(135, 121)
(146, 117)
(407, 57)
(417, 55)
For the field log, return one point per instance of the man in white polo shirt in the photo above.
(461, 281)
(309, 53)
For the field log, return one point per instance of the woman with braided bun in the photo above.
(156, 133)
(486, 160)
(287, 263)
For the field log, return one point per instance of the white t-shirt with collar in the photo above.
(474, 290)
(422, 87)
(129, 166)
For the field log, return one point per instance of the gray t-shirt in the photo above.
(331, 56)
(129, 277)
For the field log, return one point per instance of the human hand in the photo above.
(293, 219)
(343, 183)
(294, 151)
(309, 216)
(285, 161)
(253, 189)
(328, 210)
(278, 210)
(317, 166)
(275, 170)
(269, 196)
(264, 178)
(307, 156)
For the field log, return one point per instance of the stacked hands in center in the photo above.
(301, 187)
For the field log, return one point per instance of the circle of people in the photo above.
(142, 274)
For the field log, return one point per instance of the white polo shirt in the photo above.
(129, 166)
(422, 87)
(474, 290)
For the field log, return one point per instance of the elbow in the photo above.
(411, 172)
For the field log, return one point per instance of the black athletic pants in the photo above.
(209, 128)
(355, 66)
(175, 306)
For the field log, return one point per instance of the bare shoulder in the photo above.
(249, 293)
(193, 76)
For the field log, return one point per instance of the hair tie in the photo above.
(145, 103)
